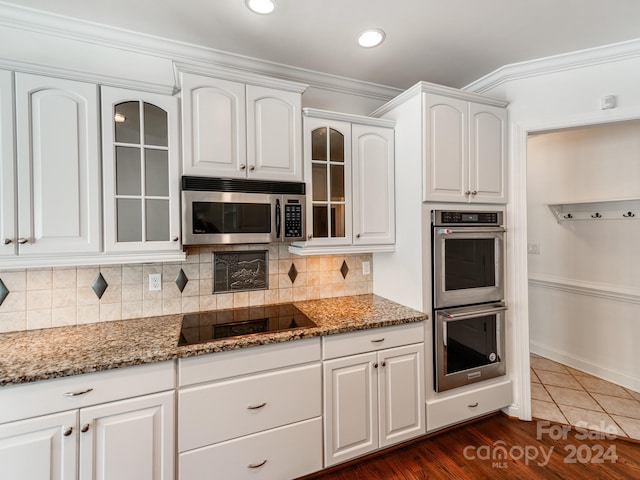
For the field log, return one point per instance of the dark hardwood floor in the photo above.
(532, 450)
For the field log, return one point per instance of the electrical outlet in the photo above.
(533, 249)
(366, 268)
(155, 282)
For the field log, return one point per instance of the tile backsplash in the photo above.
(54, 297)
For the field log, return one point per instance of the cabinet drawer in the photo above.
(49, 396)
(217, 366)
(278, 454)
(464, 406)
(370, 340)
(220, 411)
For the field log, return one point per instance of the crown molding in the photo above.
(426, 87)
(557, 63)
(183, 53)
(347, 117)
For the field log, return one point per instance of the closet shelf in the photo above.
(609, 209)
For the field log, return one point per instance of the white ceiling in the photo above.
(450, 42)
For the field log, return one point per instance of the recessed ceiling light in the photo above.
(371, 37)
(263, 7)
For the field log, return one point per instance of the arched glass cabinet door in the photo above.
(141, 177)
(328, 180)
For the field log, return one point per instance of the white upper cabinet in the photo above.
(235, 130)
(7, 167)
(465, 151)
(349, 171)
(373, 185)
(58, 159)
(141, 171)
(487, 153)
(274, 134)
(213, 127)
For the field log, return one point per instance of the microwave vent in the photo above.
(215, 184)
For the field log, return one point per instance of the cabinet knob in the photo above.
(175, 239)
(85, 428)
(357, 235)
(468, 192)
(22, 241)
(243, 167)
(252, 168)
(375, 365)
(68, 431)
(384, 364)
(475, 192)
(309, 237)
(7, 241)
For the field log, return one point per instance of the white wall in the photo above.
(543, 96)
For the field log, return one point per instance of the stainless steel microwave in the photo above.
(229, 211)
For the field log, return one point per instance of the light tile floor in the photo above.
(565, 395)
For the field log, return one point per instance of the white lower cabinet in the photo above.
(372, 399)
(123, 439)
(458, 407)
(251, 413)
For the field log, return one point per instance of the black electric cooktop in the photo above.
(240, 322)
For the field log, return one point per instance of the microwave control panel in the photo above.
(292, 220)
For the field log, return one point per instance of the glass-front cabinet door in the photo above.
(328, 152)
(140, 145)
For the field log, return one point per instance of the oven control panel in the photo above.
(447, 217)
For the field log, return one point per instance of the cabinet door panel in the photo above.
(274, 134)
(373, 185)
(7, 167)
(445, 173)
(128, 440)
(213, 127)
(141, 171)
(38, 449)
(487, 153)
(58, 165)
(351, 407)
(401, 394)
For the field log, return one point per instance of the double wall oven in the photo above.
(468, 296)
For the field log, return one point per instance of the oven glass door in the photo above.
(470, 345)
(468, 265)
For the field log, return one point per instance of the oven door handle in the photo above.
(449, 230)
(474, 313)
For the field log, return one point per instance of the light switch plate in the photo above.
(366, 268)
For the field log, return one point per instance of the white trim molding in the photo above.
(592, 289)
(347, 117)
(31, 20)
(557, 63)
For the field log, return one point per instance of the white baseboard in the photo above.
(585, 365)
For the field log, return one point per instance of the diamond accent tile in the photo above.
(293, 273)
(4, 291)
(99, 285)
(182, 280)
(344, 269)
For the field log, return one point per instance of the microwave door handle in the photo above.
(278, 218)
(474, 313)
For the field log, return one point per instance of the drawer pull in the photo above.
(473, 405)
(378, 340)
(256, 407)
(257, 465)
(68, 431)
(76, 394)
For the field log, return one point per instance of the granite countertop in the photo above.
(59, 352)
